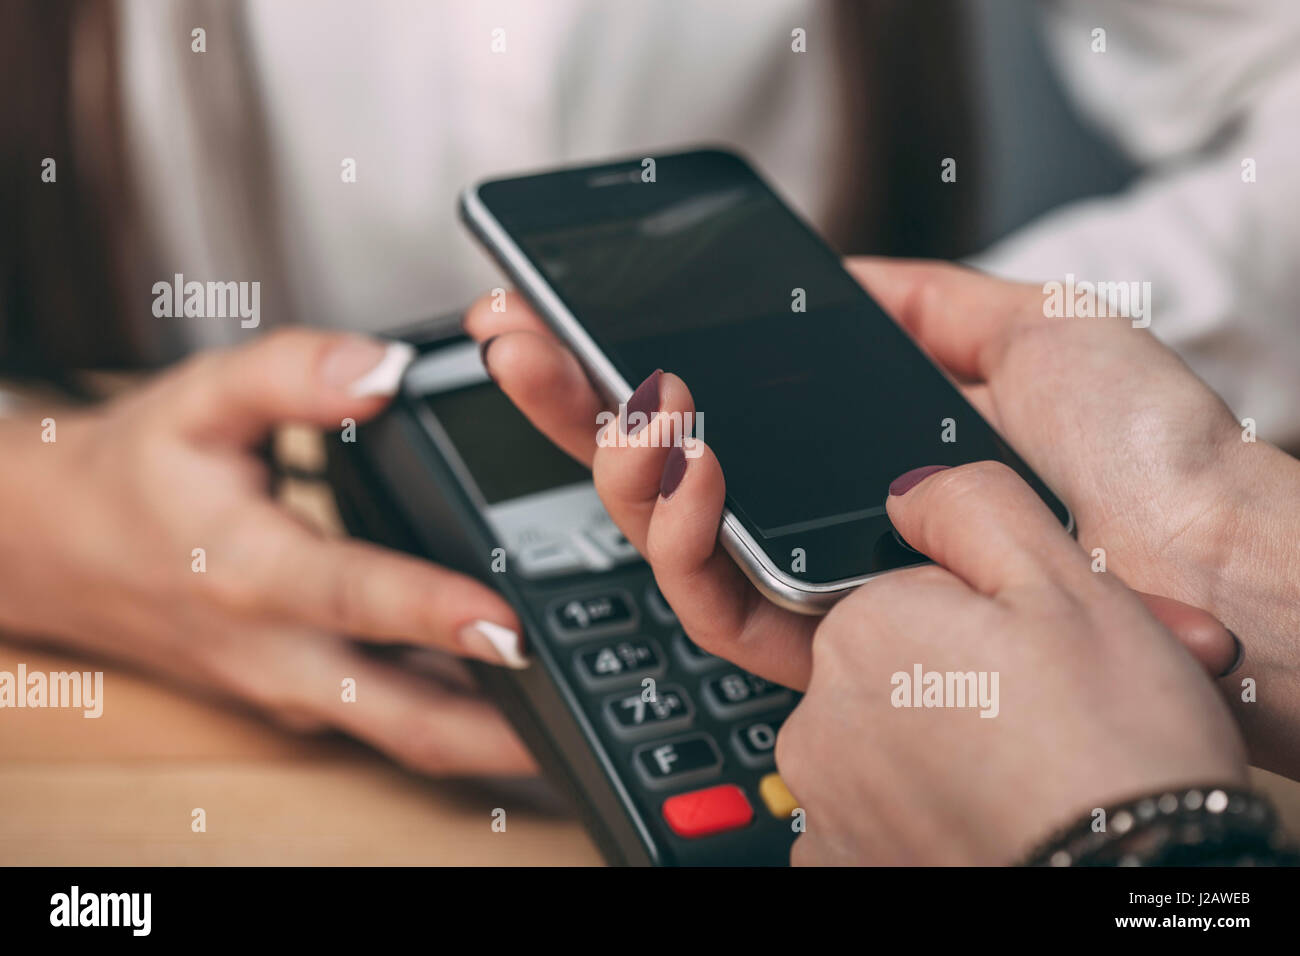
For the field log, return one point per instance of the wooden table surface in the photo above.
(121, 789)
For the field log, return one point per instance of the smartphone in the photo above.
(811, 397)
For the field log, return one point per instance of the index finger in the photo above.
(538, 373)
(501, 311)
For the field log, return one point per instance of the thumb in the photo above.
(957, 314)
(984, 524)
(295, 375)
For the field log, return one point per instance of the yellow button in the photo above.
(780, 801)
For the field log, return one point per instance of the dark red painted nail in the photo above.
(482, 354)
(674, 471)
(910, 479)
(644, 400)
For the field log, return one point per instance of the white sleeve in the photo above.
(1207, 98)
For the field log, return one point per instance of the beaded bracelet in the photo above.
(1196, 826)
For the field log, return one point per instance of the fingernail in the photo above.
(644, 400)
(494, 644)
(674, 471)
(910, 479)
(1238, 657)
(366, 366)
(482, 354)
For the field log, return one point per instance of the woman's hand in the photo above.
(99, 549)
(1072, 696)
(676, 529)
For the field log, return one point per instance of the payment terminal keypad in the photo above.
(692, 736)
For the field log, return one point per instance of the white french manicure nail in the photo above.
(384, 378)
(494, 643)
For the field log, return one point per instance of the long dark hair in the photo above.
(906, 82)
(77, 256)
(66, 247)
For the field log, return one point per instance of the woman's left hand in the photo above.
(1082, 698)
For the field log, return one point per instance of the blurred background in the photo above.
(222, 156)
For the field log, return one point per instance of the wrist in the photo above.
(1251, 570)
(1251, 582)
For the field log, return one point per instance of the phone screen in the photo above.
(812, 398)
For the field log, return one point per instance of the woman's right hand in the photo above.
(1150, 461)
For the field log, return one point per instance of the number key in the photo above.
(648, 711)
(610, 612)
(738, 692)
(618, 662)
(755, 742)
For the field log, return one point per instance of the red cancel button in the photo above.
(704, 812)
